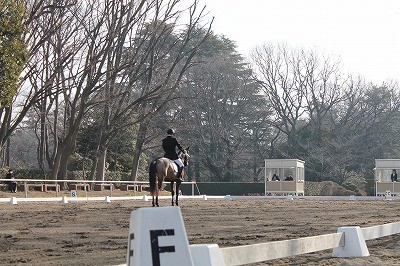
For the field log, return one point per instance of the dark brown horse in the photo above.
(162, 169)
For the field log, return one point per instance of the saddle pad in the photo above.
(175, 166)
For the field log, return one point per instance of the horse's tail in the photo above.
(152, 176)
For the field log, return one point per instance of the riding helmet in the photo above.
(170, 131)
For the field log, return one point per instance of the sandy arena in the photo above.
(95, 233)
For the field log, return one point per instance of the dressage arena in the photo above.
(96, 233)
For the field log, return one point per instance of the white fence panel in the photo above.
(240, 255)
(379, 231)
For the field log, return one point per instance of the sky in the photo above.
(364, 34)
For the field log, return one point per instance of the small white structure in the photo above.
(284, 168)
(383, 183)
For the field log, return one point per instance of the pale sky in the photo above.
(364, 34)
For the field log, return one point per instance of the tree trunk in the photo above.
(4, 128)
(141, 136)
(63, 164)
(62, 173)
(93, 169)
(7, 153)
(8, 142)
(42, 137)
(101, 164)
(65, 150)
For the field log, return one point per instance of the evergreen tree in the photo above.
(13, 51)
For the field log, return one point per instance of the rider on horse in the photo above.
(169, 145)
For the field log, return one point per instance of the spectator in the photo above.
(393, 176)
(289, 178)
(12, 184)
(275, 177)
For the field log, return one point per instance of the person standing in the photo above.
(169, 144)
(12, 185)
(393, 176)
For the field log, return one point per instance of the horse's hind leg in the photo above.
(172, 193)
(178, 185)
(155, 196)
(155, 199)
(158, 191)
(155, 202)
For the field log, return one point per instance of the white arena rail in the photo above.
(59, 182)
(379, 231)
(164, 240)
(240, 255)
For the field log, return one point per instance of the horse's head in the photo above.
(184, 156)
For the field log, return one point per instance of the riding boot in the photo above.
(179, 175)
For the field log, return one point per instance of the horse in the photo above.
(162, 169)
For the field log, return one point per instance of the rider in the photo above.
(169, 145)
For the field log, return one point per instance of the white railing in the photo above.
(348, 241)
(280, 249)
(31, 182)
(379, 231)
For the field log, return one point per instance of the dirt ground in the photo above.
(95, 233)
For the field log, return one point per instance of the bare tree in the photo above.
(284, 85)
(333, 121)
(53, 55)
(28, 94)
(103, 27)
(300, 88)
(151, 67)
(129, 86)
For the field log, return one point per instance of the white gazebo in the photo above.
(284, 168)
(383, 182)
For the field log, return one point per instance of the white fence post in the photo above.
(64, 199)
(354, 243)
(13, 200)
